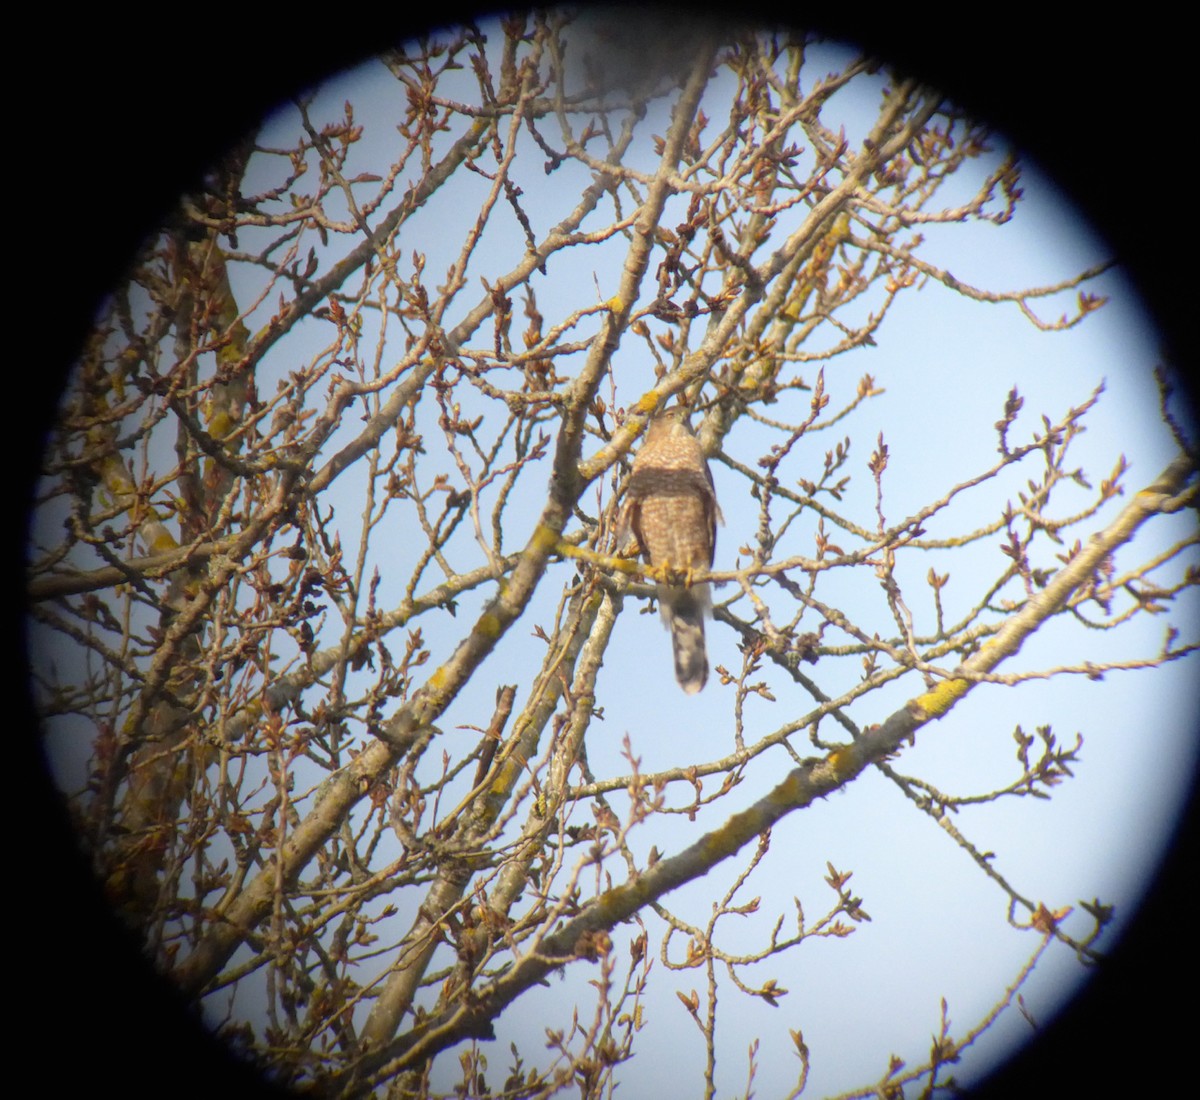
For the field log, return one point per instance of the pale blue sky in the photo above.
(938, 927)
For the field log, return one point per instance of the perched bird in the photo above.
(671, 509)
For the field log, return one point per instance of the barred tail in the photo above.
(685, 616)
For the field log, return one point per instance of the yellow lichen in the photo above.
(545, 539)
(842, 761)
(935, 703)
(489, 625)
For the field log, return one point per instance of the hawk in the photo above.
(671, 509)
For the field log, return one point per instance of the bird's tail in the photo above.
(684, 612)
